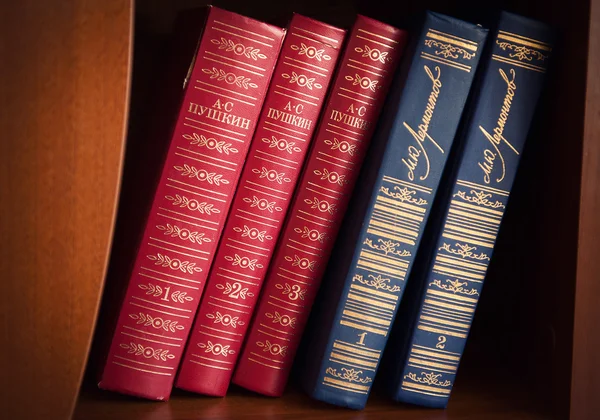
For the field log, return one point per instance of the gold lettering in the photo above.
(216, 114)
(349, 120)
(288, 118)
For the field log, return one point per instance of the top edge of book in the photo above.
(362, 20)
(328, 34)
(245, 20)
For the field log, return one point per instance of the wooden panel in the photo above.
(585, 386)
(65, 79)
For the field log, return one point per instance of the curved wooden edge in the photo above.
(65, 81)
(585, 376)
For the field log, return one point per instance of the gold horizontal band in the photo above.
(364, 328)
(528, 43)
(441, 331)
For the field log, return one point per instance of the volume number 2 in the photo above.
(441, 342)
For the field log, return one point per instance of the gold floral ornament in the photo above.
(303, 263)
(363, 82)
(448, 50)
(147, 352)
(342, 146)
(428, 379)
(373, 53)
(311, 52)
(404, 195)
(262, 204)
(294, 292)
(284, 320)
(271, 175)
(273, 348)
(182, 233)
(210, 143)
(244, 262)
(464, 250)
(282, 144)
(225, 319)
(331, 176)
(312, 234)
(387, 247)
(191, 204)
(156, 322)
(378, 282)
(230, 78)
(216, 348)
(321, 205)
(302, 80)
(235, 290)
(454, 286)
(156, 290)
(201, 175)
(520, 52)
(174, 263)
(480, 198)
(253, 233)
(238, 49)
(350, 375)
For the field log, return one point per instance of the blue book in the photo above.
(448, 288)
(384, 227)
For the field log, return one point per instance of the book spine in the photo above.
(421, 126)
(494, 140)
(283, 136)
(222, 100)
(366, 69)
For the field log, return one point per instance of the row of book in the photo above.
(307, 155)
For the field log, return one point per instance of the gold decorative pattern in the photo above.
(191, 204)
(273, 348)
(404, 194)
(363, 82)
(282, 144)
(284, 320)
(174, 263)
(235, 290)
(180, 297)
(201, 175)
(182, 233)
(448, 50)
(262, 204)
(225, 319)
(147, 352)
(342, 146)
(230, 78)
(388, 247)
(302, 80)
(294, 292)
(238, 48)
(480, 198)
(331, 176)
(428, 379)
(253, 233)
(321, 205)
(156, 322)
(350, 375)
(216, 348)
(303, 263)
(156, 290)
(311, 52)
(373, 53)
(271, 175)
(454, 286)
(464, 250)
(244, 262)
(378, 282)
(521, 52)
(210, 143)
(312, 234)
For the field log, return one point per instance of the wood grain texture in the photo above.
(585, 384)
(64, 91)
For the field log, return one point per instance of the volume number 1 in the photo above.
(362, 339)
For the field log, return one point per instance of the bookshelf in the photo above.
(64, 162)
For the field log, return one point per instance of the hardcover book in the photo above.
(451, 284)
(414, 140)
(284, 132)
(223, 96)
(365, 73)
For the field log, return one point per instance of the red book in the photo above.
(221, 103)
(285, 129)
(367, 68)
